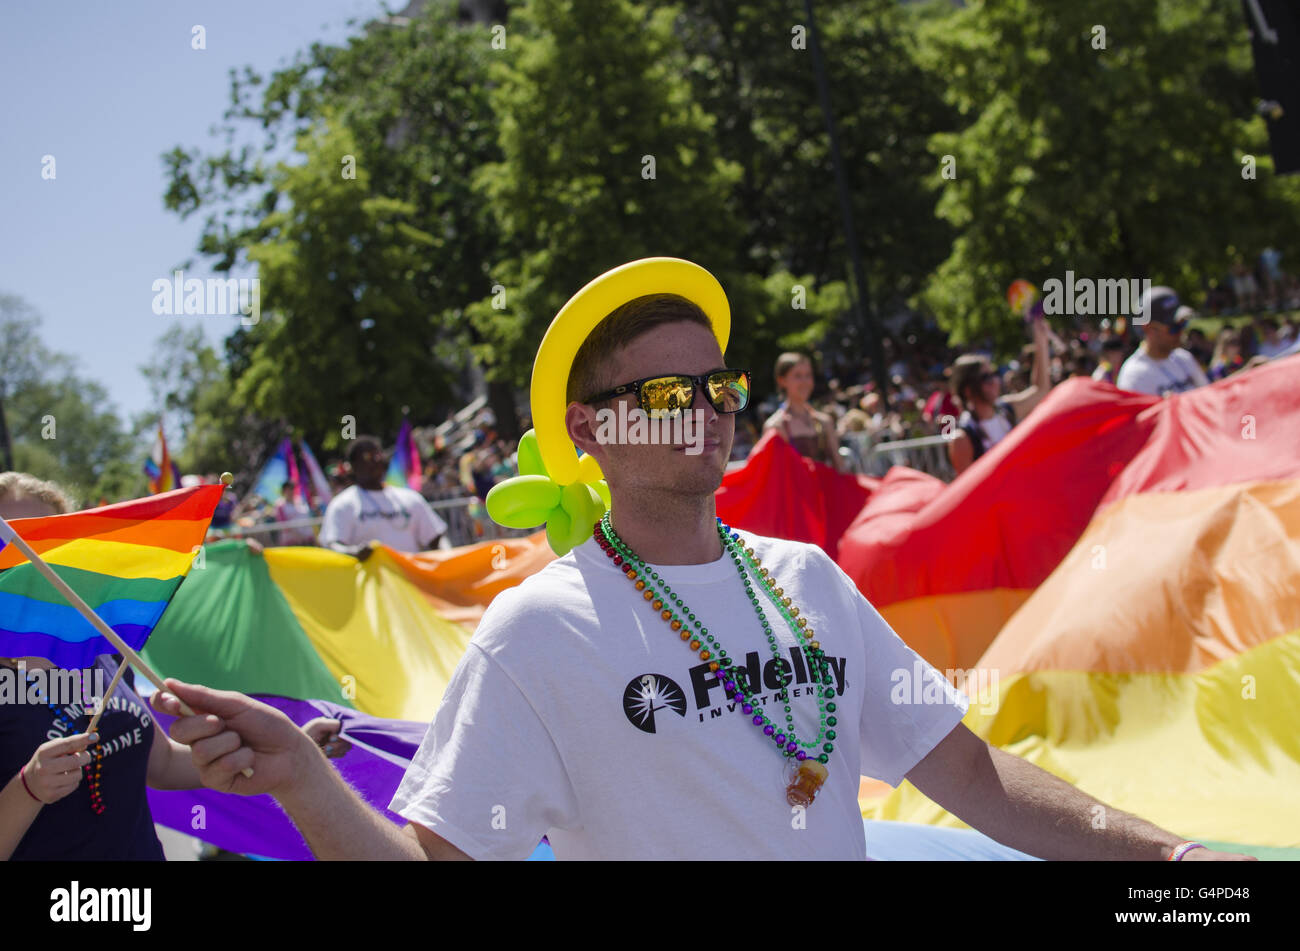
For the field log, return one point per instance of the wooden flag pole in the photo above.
(103, 701)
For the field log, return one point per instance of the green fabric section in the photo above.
(229, 627)
(1264, 853)
(94, 588)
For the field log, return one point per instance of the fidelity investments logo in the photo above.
(649, 693)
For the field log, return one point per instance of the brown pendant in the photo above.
(803, 787)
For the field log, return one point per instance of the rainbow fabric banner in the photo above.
(125, 561)
(1121, 578)
(404, 467)
(383, 635)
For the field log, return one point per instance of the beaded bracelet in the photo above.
(25, 786)
(1179, 851)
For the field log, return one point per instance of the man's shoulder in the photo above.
(555, 596)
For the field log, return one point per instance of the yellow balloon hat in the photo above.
(569, 490)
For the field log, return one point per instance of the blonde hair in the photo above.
(17, 485)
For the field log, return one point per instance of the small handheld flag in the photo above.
(125, 560)
(404, 468)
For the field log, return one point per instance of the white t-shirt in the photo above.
(1176, 373)
(1274, 350)
(396, 516)
(578, 713)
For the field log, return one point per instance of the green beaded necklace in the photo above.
(806, 770)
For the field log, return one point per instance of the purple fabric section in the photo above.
(257, 824)
(71, 655)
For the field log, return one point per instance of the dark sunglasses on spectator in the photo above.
(668, 394)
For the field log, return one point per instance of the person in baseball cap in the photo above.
(1160, 366)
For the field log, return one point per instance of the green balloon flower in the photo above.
(533, 498)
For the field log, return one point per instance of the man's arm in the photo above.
(231, 732)
(1029, 809)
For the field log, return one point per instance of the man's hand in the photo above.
(324, 732)
(230, 733)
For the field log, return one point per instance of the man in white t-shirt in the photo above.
(581, 712)
(1159, 366)
(371, 511)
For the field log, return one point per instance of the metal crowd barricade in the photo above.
(927, 454)
(467, 522)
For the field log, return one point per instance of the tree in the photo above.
(208, 430)
(62, 425)
(1107, 139)
(606, 158)
(409, 105)
(751, 69)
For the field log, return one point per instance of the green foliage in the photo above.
(752, 70)
(1122, 162)
(605, 158)
(62, 426)
(365, 279)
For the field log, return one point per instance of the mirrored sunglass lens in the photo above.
(729, 391)
(666, 396)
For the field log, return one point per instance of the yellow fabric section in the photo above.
(952, 631)
(370, 624)
(120, 559)
(1214, 755)
(1165, 583)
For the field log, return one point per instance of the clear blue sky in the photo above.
(107, 88)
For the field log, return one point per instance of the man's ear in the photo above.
(581, 423)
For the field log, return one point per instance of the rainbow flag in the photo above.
(279, 469)
(320, 485)
(160, 469)
(404, 467)
(125, 561)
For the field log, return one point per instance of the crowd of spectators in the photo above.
(835, 414)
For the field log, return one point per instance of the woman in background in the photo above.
(811, 432)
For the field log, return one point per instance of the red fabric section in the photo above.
(1007, 520)
(779, 493)
(1012, 516)
(1242, 429)
(193, 504)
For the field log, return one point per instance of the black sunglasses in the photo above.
(667, 395)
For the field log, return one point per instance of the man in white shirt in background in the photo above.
(372, 511)
(1160, 366)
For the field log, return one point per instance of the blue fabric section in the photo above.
(21, 615)
(70, 654)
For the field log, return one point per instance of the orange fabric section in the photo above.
(171, 534)
(952, 631)
(1165, 583)
(461, 582)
